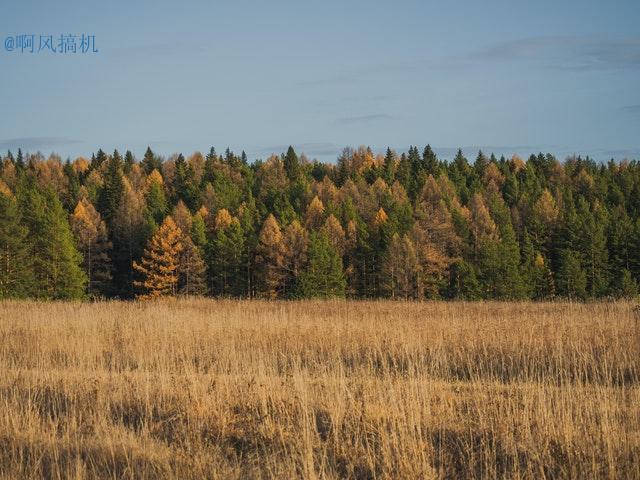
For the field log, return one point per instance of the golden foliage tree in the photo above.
(315, 214)
(335, 233)
(93, 242)
(401, 269)
(270, 258)
(296, 244)
(160, 264)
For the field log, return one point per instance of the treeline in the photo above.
(397, 225)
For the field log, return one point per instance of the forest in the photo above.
(397, 225)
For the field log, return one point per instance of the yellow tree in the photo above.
(159, 265)
(315, 214)
(93, 242)
(270, 258)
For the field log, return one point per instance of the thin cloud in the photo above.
(566, 52)
(363, 119)
(635, 109)
(34, 143)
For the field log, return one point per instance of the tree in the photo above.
(112, 189)
(16, 263)
(93, 243)
(160, 264)
(226, 256)
(401, 269)
(296, 243)
(270, 259)
(463, 283)
(324, 276)
(56, 261)
(571, 279)
(129, 235)
(156, 201)
(315, 214)
(291, 164)
(150, 162)
(192, 270)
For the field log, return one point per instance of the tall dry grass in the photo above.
(230, 389)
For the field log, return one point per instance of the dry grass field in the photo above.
(363, 390)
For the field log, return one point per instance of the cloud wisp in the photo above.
(363, 119)
(566, 52)
(35, 143)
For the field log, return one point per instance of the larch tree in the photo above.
(401, 269)
(296, 244)
(160, 263)
(270, 259)
(315, 214)
(93, 243)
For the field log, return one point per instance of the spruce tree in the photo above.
(56, 261)
(112, 189)
(324, 275)
(16, 262)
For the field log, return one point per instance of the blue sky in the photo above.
(505, 76)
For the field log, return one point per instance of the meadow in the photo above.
(200, 388)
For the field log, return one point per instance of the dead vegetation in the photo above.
(362, 390)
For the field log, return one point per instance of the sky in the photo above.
(502, 76)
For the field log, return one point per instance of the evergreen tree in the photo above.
(324, 276)
(388, 167)
(56, 261)
(571, 279)
(150, 162)
(16, 263)
(291, 164)
(226, 256)
(112, 189)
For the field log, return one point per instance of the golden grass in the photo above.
(238, 389)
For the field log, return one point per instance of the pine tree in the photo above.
(291, 164)
(56, 261)
(112, 189)
(226, 256)
(129, 161)
(571, 279)
(463, 283)
(184, 185)
(324, 276)
(93, 243)
(16, 263)
(150, 162)
(388, 167)
(160, 264)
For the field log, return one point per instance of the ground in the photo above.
(337, 389)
